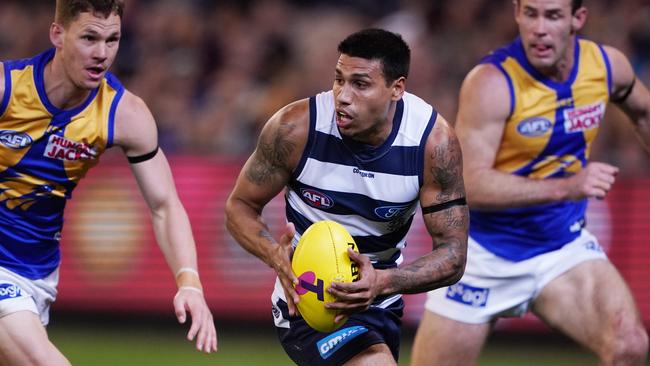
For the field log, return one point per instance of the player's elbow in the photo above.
(235, 211)
(230, 214)
(457, 272)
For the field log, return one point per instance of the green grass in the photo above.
(120, 342)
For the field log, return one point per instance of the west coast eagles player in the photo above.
(528, 115)
(59, 111)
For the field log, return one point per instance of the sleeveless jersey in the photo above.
(548, 134)
(44, 152)
(372, 191)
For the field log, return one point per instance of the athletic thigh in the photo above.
(377, 354)
(23, 341)
(590, 303)
(443, 341)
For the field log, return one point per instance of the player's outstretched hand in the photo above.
(191, 300)
(353, 297)
(593, 181)
(281, 263)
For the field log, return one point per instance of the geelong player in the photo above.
(363, 154)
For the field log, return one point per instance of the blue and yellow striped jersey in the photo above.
(548, 134)
(44, 152)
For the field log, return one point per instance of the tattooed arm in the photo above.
(443, 182)
(264, 175)
(448, 225)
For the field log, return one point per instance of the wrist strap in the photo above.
(186, 269)
(190, 288)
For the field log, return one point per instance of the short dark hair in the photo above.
(382, 45)
(575, 5)
(68, 10)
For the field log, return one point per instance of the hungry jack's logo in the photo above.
(60, 148)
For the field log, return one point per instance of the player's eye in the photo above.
(361, 84)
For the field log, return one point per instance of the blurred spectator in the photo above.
(213, 71)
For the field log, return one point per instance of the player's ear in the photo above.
(398, 88)
(578, 19)
(56, 34)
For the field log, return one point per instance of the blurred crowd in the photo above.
(214, 71)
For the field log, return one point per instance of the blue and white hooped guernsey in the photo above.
(372, 191)
(44, 153)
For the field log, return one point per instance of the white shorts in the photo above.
(18, 293)
(495, 287)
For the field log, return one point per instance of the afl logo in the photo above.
(316, 199)
(533, 127)
(15, 140)
(389, 212)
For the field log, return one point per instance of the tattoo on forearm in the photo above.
(456, 218)
(414, 278)
(266, 235)
(271, 155)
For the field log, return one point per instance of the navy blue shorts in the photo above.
(306, 346)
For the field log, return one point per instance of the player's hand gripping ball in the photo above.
(320, 258)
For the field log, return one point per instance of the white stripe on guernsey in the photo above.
(325, 115)
(356, 225)
(278, 293)
(415, 118)
(387, 254)
(342, 178)
(384, 304)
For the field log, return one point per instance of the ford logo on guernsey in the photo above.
(533, 127)
(330, 344)
(9, 290)
(389, 212)
(15, 140)
(316, 199)
(468, 295)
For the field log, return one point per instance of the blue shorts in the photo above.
(306, 346)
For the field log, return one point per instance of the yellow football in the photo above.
(320, 258)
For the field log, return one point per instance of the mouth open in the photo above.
(95, 72)
(541, 49)
(343, 119)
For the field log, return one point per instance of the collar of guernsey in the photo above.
(372, 191)
(548, 134)
(44, 152)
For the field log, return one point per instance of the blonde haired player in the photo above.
(59, 111)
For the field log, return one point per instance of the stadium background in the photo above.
(212, 72)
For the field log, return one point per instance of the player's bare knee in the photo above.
(47, 356)
(630, 346)
(634, 347)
